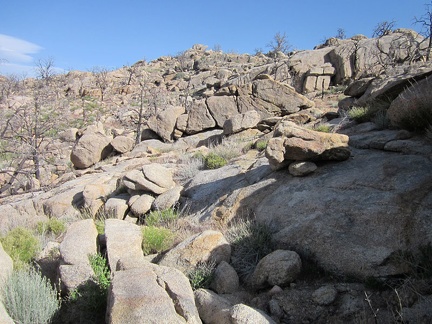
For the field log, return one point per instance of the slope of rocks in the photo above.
(349, 204)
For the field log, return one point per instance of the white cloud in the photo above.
(15, 50)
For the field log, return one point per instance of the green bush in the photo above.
(361, 114)
(214, 161)
(161, 217)
(250, 242)
(202, 275)
(156, 239)
(88, 302)
(53, 225)
(101, 270)
(21, 245)
(261, 145)
(323, 128)
(29, 297)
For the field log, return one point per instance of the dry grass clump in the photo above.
(412, 110)
(250, 242)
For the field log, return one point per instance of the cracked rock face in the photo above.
(151, 294)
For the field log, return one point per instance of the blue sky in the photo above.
(80, 35)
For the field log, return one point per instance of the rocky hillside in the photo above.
(322, 159)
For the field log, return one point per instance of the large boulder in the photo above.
(240, 122)
(215, 309)
(372, 56)
(397, 80)
(212, 308)
(291, 142)
(152, 177)
(243, 314)
(164, 122)
(117, 206)
(123, 241)
(222, 108)
(140, 205)
(79, 242)
(208, 246)
(354, 217)
(199, 118)
(151, 294)
(225, 279)
(281, 95)
(122, 144)
(168, 199)
(90, 149)
(280, 268)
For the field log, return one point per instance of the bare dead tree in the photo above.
(183, 59)
(28, 130)
(45, 69)
(340, 34)
(426, 23)
(101, 76)
(131, 70)
(279, 43)
(383, 28)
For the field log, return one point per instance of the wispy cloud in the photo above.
(16, 50)
(16, 55)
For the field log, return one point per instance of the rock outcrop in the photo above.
(208, 246)
(291, 142)
(90, 149)
(79, 243)
(151, 294)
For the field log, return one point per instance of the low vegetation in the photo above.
(361, 114)
(52, 226)
(29, 297)
(161, 217)
(21, 245)
(250, 242)
(325, 128)
(156, 239)
(88, 302)
(214, 161)
(414, 111)
(202, 275)
(261, 145)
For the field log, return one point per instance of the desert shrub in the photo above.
(161, 217)
(250, 242)
(414, 111)
(88, 302)
(202, 275)
(323, 128)
(189, 169)
(249, 146)
(99, 218)
(361, 114)
(156, 239)
(53, 225)
(21, 245)
(214, 161)
(229, 148)
(29, 297)
(380, 119)
(101, 270)
(261, 145)
(419, 262)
